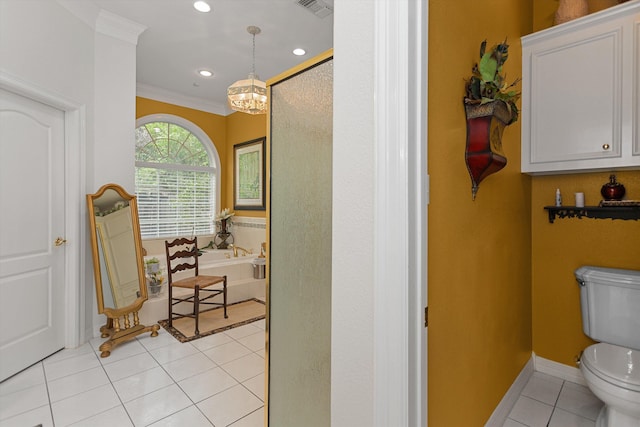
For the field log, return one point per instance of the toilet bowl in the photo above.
(612, 373)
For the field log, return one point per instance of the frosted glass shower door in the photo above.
(300, 248)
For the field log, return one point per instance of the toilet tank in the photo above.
(610, 304)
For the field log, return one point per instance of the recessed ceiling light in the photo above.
(205, 73)
(299, 52)
(202, 6)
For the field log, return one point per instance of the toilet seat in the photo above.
(616, 365)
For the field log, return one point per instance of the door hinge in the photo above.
(426, 316)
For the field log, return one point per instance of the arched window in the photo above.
(177, 177)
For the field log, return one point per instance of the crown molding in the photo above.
(163, 95)
(118, 27)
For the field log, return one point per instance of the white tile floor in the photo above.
(213, 381)
(547, 401)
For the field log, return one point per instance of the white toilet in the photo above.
(610, 301)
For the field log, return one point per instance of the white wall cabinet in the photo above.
(580, 94)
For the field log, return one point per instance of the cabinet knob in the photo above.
(605, 146)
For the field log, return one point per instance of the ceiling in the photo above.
(179, 41)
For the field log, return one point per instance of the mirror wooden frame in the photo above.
(117, 331)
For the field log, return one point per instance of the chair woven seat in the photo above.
(201, 281)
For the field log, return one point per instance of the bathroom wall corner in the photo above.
(503, 409)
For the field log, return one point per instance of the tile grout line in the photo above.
(224, 370)
(121, 403)
(46, 384)
(245, 416)
(114, 389)
(555, 404)
(195, 404)
(174, 383)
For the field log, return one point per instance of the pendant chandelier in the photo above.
(249, 95)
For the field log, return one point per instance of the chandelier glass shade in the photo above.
(249, 95)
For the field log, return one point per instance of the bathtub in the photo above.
(240, 282)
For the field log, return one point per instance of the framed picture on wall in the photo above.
(249, 175)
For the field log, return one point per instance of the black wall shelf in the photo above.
(600, 212)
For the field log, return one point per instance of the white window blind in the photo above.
(175, 185)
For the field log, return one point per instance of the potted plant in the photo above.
(152, 265)
(154, 276)
(490, 105)
(154, 281)
(223, 238)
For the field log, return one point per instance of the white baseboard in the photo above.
(503, 409)
(559, 370)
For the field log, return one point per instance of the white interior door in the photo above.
(32, 219)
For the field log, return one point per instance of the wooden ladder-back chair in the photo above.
(182, 255)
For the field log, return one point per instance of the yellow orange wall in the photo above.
(479, 251)
(559, 248)
(565, 245)
(223, 131)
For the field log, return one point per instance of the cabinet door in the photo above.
(574, 99)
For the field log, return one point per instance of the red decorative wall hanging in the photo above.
(490, 105)
(483, 153)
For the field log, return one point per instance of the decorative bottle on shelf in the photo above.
(612, 190)
(558, 198)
